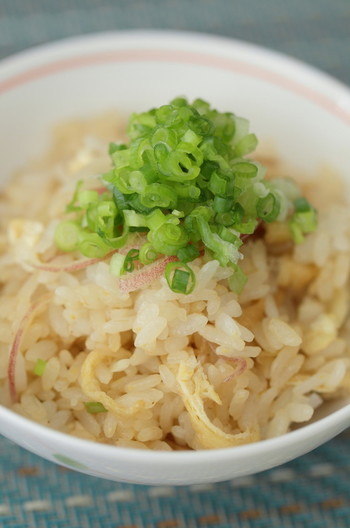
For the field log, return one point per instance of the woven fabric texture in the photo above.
(310, 492)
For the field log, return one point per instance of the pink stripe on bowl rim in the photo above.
(193, 58)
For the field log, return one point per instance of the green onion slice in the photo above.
(92, 245)
(159, 195)
(147, 254)
(303, 221)
(168, 238)
(180, 277)
(268, 208)
(129, 261)
(39, 367)
(67, 235)
(188, 253)
(86, 197)
(71, 206)
(116, 264)
(184, 181)
(237, 280)
(94, 407)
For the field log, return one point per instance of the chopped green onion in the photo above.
(246, 145)
(180, 281)
(232, 217)
(164, 136)
(222, 205)
(119, 199)
(225, 252)
(246, 228)
(121, 158)
(237, 280)
(183, 180)
(87, 197)
(179, 167)
(128, 182)
(134, 202)
(113, 147)
(94, 407)
(186, 190)
(106, 213)
(39, 367)
(229, 236)
(268, 208)
(297, 232)
(226, 219)
(131, 256)
(207, 169)
(188, 253)
(155, 219)
(147, 254)
(133, 219)
(303, 221)
(302, 205)
(118, 241)
(180, 277)
(101, 216)
(71, 206)
(178, 214)
(159, 195)
(67, 235)
(218, 185)
(92, 245)
(202, 211)
(168, 238)
(241, 129)
(245, 169)
(116, 264)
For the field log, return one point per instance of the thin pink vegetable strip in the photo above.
(75, 266)
(17, 343)
(240, 364)
(82, 264)
(145, 276)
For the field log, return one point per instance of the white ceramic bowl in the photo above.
(304, 112)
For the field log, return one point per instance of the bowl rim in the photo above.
(329, 85)
(332, 89)
(336, 419)
(168, 35)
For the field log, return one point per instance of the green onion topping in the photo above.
(67, 235)
(131, 256)
(94, 407)
(39, 367)
(184, 184)
(303, 221)
(147, 254)
(180, 277)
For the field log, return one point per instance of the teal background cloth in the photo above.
(310, 492)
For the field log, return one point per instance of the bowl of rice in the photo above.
(174, 256)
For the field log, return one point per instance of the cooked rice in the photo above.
(205, 370)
